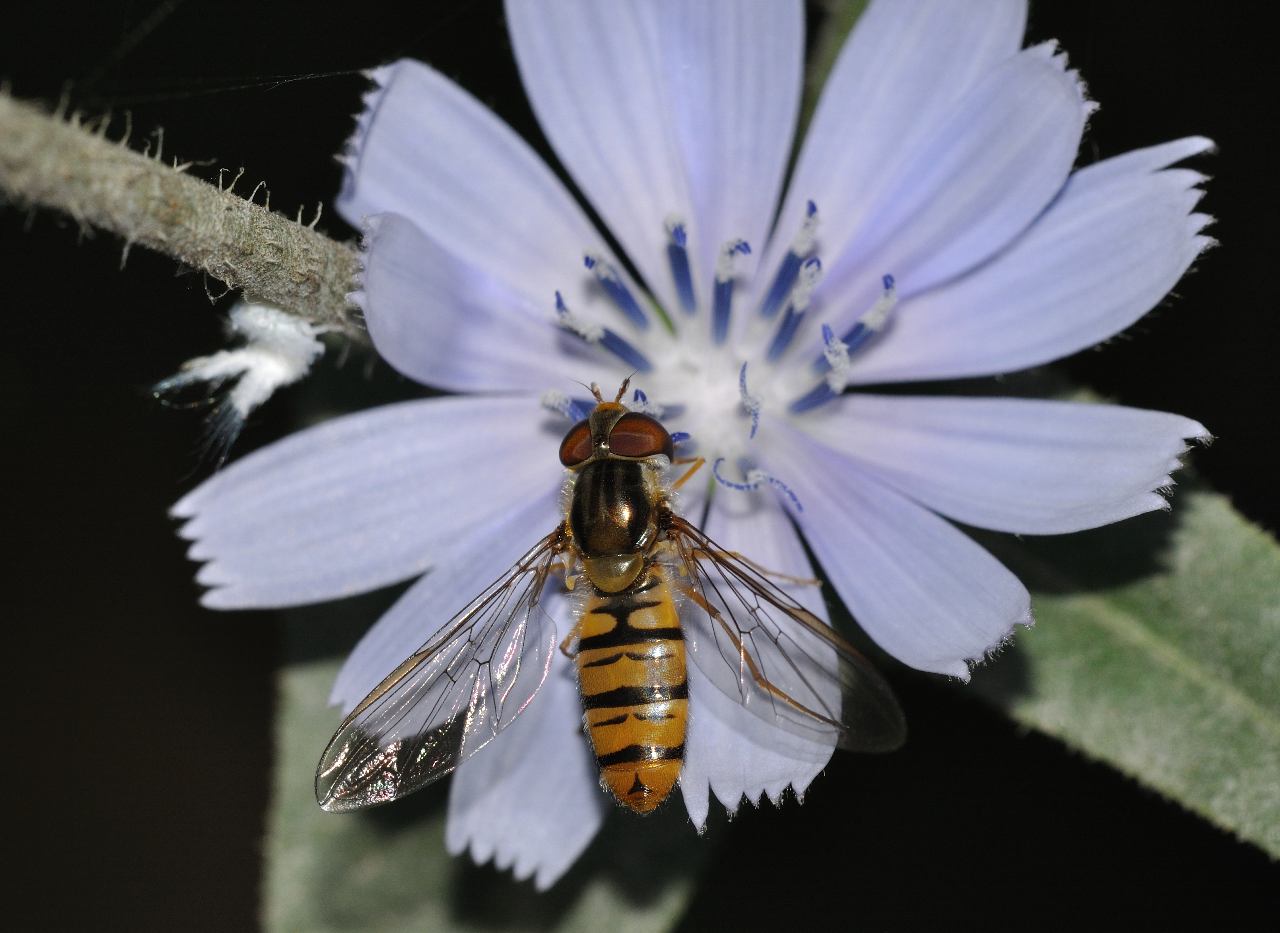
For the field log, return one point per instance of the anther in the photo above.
(749, 401)
(722, 299)
(873, 321)
(616, 288)
(801, 296)
(789, 268)
(678, 257)
(680, 437)
(836, 354)
(640, 402)
(601, 336)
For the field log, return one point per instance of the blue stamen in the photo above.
(749, 401)
(779, 484)
(569, 408)
(786, 333)
(680, 437)
(755, 479)
(624, 351)
(801, 294)
(722, 296)
(741, 487)
(678, 257)
(782, 282)
(871, 323)
(874, 320)
(616, 289)
(818, 395)
(789, 268)
(602, 336)
(640, 397)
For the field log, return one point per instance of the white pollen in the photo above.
(808, 279)
(591, 333)
(878, 314)
(807, 236)
(837, 353)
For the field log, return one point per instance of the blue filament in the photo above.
(818, 395)
(788, 270)
(782, 282)
(722, 296)
(785, 334)
(607, 338)
(678, 257)
(624, 351)
(617, 290)
(721, 301)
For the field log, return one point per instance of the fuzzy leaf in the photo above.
(1157, 649)
(387, 869)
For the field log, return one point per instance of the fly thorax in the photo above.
(613, 521)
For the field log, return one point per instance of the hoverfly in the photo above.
(657, 591)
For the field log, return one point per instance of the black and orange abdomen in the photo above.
(631, 672)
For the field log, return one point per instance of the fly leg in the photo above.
(705, 554)
(688, 474)
(567, 647)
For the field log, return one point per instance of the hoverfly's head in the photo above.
(613, 431)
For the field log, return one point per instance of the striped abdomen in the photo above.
(631, 671)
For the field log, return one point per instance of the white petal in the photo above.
(427, 150)
(895, 82)
(969, 188)
(442, 321)
(729, 749)
(365, 500)
(1026, 466)
(471, 562)
(1107, 250)
(593, 73)
(733, 71)
(531, 799)
(925, 591)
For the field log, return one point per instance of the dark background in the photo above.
(140, 763)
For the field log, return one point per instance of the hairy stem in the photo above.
(48, 161)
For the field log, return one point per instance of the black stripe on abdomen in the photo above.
(635, 754)
(636, 696)
(623, 635)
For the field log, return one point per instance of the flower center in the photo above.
(716, 385)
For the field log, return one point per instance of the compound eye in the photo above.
(637, 435)
(575, 449)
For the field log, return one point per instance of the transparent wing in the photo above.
(450, 697)
(776, 658)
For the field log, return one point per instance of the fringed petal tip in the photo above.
(965, 669)
(531, 801)
(353, 149)
(697, 796)
(369, 229)
(1054, 53)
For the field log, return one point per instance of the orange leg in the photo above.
(565, 646)
(688, 474)
(702, 554)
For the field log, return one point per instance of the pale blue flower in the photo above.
(932, 228)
